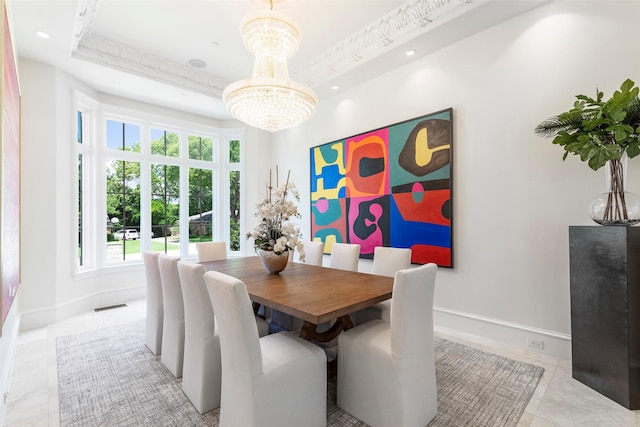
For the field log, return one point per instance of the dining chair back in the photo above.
(201, 373)
(313, 252)
(386, 370)
(211, 251)
(344, 256)
(173, 324)
(254, 368)
(386, 261)
(155, 310)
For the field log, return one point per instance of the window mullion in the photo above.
(184, 210)
(145, 189)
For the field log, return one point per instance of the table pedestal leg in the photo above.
(309, 332)
(256, 309)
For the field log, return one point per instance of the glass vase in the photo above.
(616, 206)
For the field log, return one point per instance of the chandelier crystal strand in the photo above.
(269, 100)
(270, 31)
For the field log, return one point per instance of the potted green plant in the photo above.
(603, 133)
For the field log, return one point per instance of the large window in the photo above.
(84, 153)
(201, 184)
(123, 193)
(157, 186)
(234, 195)
(165, 193)
(123, 209)
(81, 187)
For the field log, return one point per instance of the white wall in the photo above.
(514, 197)
(39, 220)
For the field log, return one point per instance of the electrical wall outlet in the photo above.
(535, 343)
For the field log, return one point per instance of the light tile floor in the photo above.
(559, 400)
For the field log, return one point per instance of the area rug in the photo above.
(108, 377)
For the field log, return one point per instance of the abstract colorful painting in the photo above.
(10, 174)
(388, 187)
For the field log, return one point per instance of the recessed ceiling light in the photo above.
(336, 87)
(198, 63)
(42, 34)
(411, 52)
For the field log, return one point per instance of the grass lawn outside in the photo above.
(133, 246)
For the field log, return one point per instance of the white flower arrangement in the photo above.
(274, 232)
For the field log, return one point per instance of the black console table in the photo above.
(605, 310)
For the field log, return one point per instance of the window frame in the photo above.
(229, 167)
(96, 155)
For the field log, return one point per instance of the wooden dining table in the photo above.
(311, 293)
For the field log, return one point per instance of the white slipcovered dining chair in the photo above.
(314, 252)
(173, 324)
(155, 310)
(386, 371)
(386, 261)
(277, 380)
(344, 256)
(211, 251)
(202, 372)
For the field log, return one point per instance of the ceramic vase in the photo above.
(273, 262)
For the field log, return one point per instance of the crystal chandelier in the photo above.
(269, 100)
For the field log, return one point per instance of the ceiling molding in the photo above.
(91, 47)
(84, 21)
(408, 21)
(125, 58)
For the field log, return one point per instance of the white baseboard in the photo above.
(47, 316)
(553, 343)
